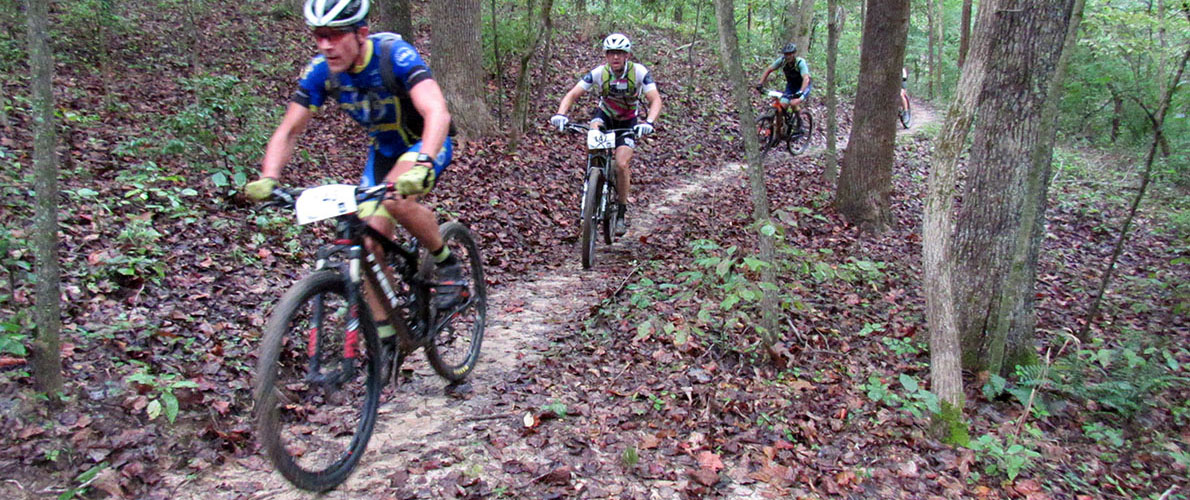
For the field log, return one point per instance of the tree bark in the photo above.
(395, 16)
(865, 183)
(521, 106)
(729, 56)
(45, 358)
(999, 225)
(455, 40)
(931, 45)
(832, 99)
(799, 17)
(964, 32)
(946, 379)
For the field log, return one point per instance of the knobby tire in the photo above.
(454, 350)
(765, 132)
(608, 209)
(799, 140)
(591, 198)
(304, 424)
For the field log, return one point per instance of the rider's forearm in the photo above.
(277, 153)
(654, 109)
(437, 127)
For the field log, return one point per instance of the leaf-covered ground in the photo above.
(645, 380)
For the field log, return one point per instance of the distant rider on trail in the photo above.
(797, 77)
(382, 82)
(620, 84)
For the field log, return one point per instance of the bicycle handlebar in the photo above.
(287, 197)
(582, 127)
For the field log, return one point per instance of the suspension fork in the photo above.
(347, 368)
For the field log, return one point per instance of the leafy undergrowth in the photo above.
(673, 390)
(168, 275)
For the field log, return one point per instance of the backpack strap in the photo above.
(386, 64)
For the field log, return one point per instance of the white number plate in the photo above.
(775, 94)
(597, 139)
(324, 202)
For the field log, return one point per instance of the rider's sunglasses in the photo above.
(615, 53)
(331, 34)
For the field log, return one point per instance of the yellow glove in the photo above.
(418, 180)
(260, 189)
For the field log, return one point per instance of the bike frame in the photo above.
(350, 234)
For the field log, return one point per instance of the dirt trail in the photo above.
(421, 418)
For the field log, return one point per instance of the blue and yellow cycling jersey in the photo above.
(393, 123)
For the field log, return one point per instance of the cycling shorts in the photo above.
(791, 89)
(379, 166)
(625, 137)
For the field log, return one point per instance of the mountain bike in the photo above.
(600, 197)
(779, 123)
(322, 366)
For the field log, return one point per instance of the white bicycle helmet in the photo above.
(335, 13)
(617, 41)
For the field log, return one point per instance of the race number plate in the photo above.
(597, 139)
(325, 202)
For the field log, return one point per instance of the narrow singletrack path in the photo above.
(425, 436)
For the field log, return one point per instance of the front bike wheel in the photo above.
(906, 116)
(766, 133)
(455, 346)
(592, 197)
(317, 382)
(608, 207)
(802, 130)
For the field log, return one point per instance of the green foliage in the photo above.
(1005, 457)
(223, 130)
(630, 457)
(83, 481)
(912, 398)
(557, 408)
(160, 391)
(1126, 379)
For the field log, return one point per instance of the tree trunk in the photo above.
(395, 16)
(729, 56)
(946, 378)
(964, 32)
(798, 19)
(44, 358)
(454, 41)
(931, 45)
(521, 106)
(832, 99)
(999, 225)
(865, 183)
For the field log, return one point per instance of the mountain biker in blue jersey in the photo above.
(620, 84)
(409, 126)
(797, 76)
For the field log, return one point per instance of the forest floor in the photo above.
(653, 353)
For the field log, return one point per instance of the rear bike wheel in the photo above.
(592, 197)
(801, 130)
(454, 348)
(317, 383)
(766, 133)
(608, 207)
(906, 115)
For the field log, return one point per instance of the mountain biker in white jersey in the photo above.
(620, 84)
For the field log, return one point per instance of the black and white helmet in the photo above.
(335, 13)
(617, 41)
